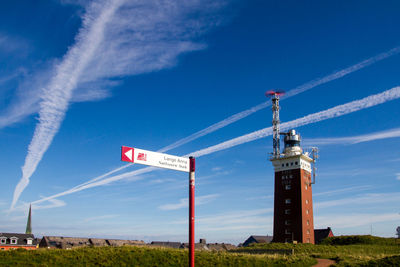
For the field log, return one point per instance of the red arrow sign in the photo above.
(127, 154)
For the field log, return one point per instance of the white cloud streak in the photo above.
(364, 199)
(342, 190)
(57, 94)
(312, 118)
(398, 176)
(117, 38)
(391, 133)
(337, 111)
(297, 90)
(341, 221)
(183, 203)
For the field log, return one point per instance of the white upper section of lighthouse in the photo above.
(292, 156)
(291, 163)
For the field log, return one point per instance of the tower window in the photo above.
(287, 211)
(307, 211)
(308, 222)
(308, 231)
(288, 187)
(291, 176)
(308, 240)
(306, 186)
(306, 201)
(287, 222)
(288, 201)
(287, 231)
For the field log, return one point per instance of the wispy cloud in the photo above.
(391, 133)
(117, 38)
(57, 94)
(398, 176)
(343, 190)
(312, 118)
(334, 112)
(52, 203)
(341, 221)
(13, 44)
(184, 202)
(297, 90)
(216, 169)
(243, 220)
(361, 199)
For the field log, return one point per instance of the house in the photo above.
(202, 245)
(98, 242)
(220, 247)
(76, 242)
(63, 242)
(13, 241)
(321, 234)
(166, 244)
(120, 242)
(257, 239)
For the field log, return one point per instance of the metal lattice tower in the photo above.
(275, 126)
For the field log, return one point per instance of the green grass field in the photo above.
(142, 256)
(346, 251)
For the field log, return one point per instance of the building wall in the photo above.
(15, 247)
(294, 220)
(307, 208)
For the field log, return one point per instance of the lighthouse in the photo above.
(293, 205)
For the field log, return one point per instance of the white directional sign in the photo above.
(141, 156)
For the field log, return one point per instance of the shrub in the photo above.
(358, 239)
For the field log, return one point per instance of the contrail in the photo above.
(391, 133)
(337, 111)
(297, 90)
(57, 94)
(243, 114)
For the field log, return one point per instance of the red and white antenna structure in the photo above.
(274, 95)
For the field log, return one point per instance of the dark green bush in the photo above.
(387, 261)
(358, 239)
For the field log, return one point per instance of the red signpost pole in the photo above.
(191, 211)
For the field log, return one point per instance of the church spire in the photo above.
(29, 223)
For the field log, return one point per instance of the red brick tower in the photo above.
(293, 209)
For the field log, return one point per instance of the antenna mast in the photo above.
(275, 122)
(314, 151)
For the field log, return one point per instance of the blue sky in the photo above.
(79, 79)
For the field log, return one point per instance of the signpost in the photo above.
(151, 158)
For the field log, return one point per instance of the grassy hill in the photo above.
(142, 256)
(345, 250)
